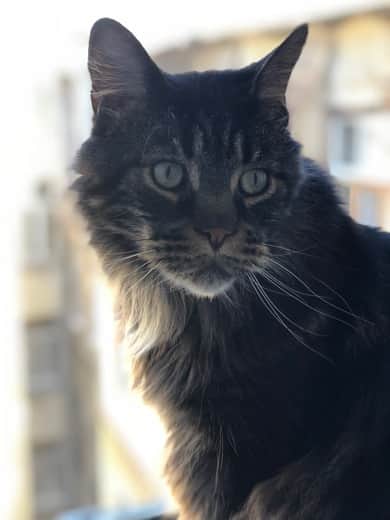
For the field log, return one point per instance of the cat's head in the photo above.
(187, 178)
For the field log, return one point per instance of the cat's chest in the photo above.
(260, 392)
(231, 374)
(187, 373)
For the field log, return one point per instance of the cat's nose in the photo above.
(216, 236)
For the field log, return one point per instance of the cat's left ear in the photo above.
(120, 67)
(273, 74)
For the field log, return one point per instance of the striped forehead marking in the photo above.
(194, 176)
(198, 140)
(238, 144)
(232, 141)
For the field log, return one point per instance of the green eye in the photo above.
(168, 175)
(254, 182)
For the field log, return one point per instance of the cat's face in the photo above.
(187, 178)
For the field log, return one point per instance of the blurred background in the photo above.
(75, 442)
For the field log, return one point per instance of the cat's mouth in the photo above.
(205, 278)
(214, 270)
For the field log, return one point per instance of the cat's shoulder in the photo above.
(378, 241)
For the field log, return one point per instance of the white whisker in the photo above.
(276, 313)
(312, 292)
(286, 290)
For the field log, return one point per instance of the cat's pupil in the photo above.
(168, 175)
(253, 182)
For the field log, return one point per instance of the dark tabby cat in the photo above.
(257, 310)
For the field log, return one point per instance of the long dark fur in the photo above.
(275, 392)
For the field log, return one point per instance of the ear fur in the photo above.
(274, 72)
(118, 64)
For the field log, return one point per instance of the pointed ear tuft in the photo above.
(118, 64)
(275, 69)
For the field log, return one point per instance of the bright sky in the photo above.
(50, 30)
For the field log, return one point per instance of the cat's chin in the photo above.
(202, 287)
(209, 291)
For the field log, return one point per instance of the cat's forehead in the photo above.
(210, 90)
(202, 137)
(209, 123)
(202, 120)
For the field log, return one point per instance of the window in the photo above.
(37, 232)
(344, 142)
(45, 364)
(348, 143)
(368, 207)
(48, 476)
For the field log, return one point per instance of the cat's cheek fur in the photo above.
(137, 329)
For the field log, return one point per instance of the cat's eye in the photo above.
(168, 175)
(254, 182)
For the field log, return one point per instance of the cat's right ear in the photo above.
(273, 71)
(119, 66)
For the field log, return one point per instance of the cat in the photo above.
(256, 310)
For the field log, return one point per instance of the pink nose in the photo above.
(216, 236)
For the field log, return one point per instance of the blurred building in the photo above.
(59, 366)
(75, 433)
(129, 437)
